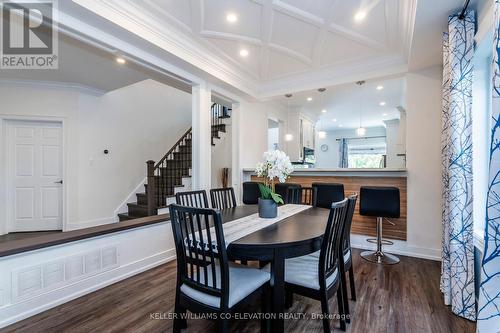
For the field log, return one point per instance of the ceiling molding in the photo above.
(194, 44)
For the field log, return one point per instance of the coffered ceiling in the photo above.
(300, 43)
(285, 37)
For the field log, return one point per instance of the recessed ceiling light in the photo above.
(321, 134)
(381, 103)
(384, 114)
(120, 60)
(334, 119)
(341, 125)
(324, 111)
(380, 87)
(231, 17)
(360, 16)
(244, 52)
(309, 99)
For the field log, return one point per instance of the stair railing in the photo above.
(162, 176)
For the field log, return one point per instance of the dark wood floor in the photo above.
(399, 298)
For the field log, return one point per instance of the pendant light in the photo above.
(288, 135)
(360, 131)
(322, 133)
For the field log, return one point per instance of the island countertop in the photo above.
(386, 172)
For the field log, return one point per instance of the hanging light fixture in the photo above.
(360, 131)
(288, 136)
(322, 133)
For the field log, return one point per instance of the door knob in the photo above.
(59, 182)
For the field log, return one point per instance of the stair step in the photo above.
(135, 209)
(142, 198)
(125, 217)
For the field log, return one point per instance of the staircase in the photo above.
(172, 173)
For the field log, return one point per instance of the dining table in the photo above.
(292, 236)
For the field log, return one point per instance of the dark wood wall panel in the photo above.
(364, 225)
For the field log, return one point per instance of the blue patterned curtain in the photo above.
(489, 293)
(457, 271)
(343, 153)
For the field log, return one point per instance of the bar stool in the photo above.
(326, 193)
(380, 202)
(251, 193)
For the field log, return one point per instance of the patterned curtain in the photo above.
(489, 293)
(457, 270)
(343, 153)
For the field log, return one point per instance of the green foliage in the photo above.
(268, 194)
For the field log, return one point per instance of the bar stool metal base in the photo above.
(384, 241)
(380, 257)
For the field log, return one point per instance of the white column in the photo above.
(202, 148)
(236, 172)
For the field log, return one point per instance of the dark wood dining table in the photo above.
(294, 236)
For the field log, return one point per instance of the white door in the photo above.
(34, 169)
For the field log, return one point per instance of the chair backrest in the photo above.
(328, 193)
(331, 246)
(251, 193)
(201, 255)
(283, 188)
(309, 195)
(223, 198)
(346, 233)
(301, 196)
(197, 199)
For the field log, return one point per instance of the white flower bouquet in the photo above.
(276, 165)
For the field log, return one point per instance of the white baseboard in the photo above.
(399, 247)
(67, 293)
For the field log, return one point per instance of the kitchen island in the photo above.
(353, 179)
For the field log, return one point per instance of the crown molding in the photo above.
(335, 75)
(76, 87)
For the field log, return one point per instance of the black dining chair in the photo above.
(317, 276)
(197, 199)
(328, 193)
(207, 282)
(346, 264)
(251, 193)
(223, 198)
(284, 189)
(301, 196)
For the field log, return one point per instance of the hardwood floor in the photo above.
(398, 298)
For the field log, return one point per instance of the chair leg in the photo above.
(179, 322)
(223, 325)
(340, 303)
(326, 314)
(343, 289)
(288, 299)
(244, 262)
(265, 308)
(351, 282)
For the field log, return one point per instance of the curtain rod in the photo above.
(462, 14)
(364, 137)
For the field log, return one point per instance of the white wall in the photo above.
(135, 123)
(424, 159)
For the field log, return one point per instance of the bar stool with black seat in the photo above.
(316, 275)
(283, 190)
(223, 198)
(197, 199)
(207, 282)
(380, 202)
(328, 193)
(251, 193)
